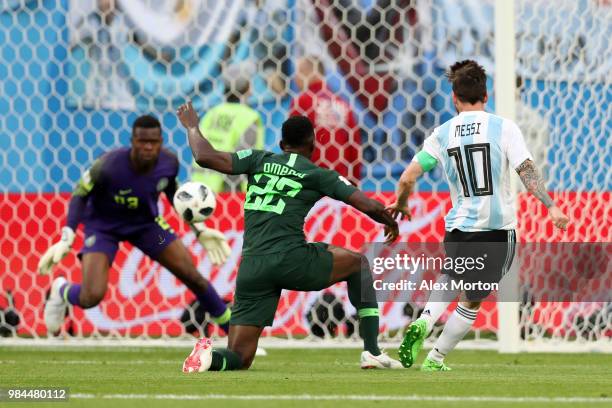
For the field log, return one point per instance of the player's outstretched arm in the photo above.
(531, 178)
(76, 209)
(203, 152)
(405, 187)
(376, 211)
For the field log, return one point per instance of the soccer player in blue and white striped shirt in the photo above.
(477, 151)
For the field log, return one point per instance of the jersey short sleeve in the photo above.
(332, 184)
(513, 144)
(429, 156)
(245, 161)
(431, 145)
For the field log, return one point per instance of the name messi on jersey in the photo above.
(281, 170)
(468, 129)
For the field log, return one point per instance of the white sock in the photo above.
(437, 303)
(455, 329)
(432, 312)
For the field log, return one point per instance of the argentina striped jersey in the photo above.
(477, 151)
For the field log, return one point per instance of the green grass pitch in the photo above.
(152, 377)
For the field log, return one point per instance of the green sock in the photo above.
(368, 329)
(360, 287)
(224, 360)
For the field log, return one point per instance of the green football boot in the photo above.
(413, 342)
(431, 365)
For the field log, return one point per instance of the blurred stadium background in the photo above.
(75, 74)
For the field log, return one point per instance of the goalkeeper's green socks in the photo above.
(225, 360)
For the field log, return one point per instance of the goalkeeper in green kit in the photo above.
(282, 188)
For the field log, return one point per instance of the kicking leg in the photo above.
(470, 245)
(455, 329)
(419, 329)
(177, 259)
(438, 303)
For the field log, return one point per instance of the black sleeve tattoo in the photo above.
(531, 178)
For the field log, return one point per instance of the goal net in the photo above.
(75, 75)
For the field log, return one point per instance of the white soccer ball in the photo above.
(194, 201)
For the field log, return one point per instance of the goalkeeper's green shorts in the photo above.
(261, 279)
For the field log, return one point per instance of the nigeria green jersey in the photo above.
(282, 188)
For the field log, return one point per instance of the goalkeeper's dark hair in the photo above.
(469, 81)
(147, 122)
(297, 131)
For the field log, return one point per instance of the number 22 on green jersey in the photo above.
(262, 199)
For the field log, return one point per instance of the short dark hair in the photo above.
(469, 81)
(147, 122)
(297, 131)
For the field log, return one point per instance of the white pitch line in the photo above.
(308, 397)
(95, 362)
(259, 362)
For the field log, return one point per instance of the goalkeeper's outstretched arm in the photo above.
(203, 152)
(80, 196)
(76, 209)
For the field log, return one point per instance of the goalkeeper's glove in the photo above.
(57, 251)
(215, 244)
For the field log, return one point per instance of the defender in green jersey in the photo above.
(282, 188)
